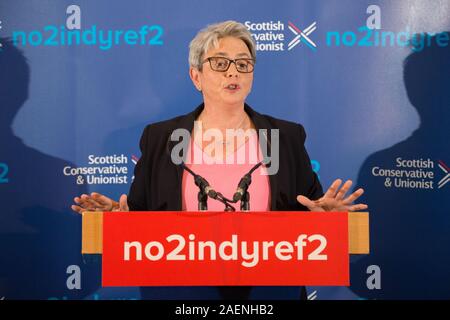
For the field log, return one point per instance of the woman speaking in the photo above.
(222, 59)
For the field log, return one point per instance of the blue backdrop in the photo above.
(375, 108)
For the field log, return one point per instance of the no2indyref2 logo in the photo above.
(4, 169)
(74, 34)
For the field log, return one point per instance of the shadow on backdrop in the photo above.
(40, 238)
(410, 226)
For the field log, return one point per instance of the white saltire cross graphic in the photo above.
(302, 34)
(446, 178)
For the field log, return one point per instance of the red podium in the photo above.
(225, 249)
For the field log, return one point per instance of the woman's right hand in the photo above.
(98, 202)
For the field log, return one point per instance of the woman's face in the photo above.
(215, 85)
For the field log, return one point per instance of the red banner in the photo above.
(222, 248)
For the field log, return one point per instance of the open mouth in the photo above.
(232, 87)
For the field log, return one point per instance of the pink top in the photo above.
(224, 177)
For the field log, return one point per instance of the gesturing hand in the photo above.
(334, 199)
(98, 202)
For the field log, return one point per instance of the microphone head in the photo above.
(212, 193)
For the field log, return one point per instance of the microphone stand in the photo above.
(245, 201)
(202, 184)
(205, 190)
(226, 202)
(202, 198)
(242, 193)
(247, 179)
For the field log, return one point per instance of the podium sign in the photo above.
(225, 249)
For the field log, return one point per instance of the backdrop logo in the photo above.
(134, 160)
(446, 177)
(110, 169)
(0, 30)
(271, 36)
(312, 295)
(371, 35)
(302, 35)
(73, 34)
(4, 170)
(412, 174)
(316, 167)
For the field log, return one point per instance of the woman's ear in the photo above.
(195, 77)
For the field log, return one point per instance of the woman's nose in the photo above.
(232, 71)
(231, 74)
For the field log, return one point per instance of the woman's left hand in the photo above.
(334, 199)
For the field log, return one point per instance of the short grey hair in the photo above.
(209, 37)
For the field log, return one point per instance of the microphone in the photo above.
(244, 183)
(242, 187)
(201, 182)
(241, 191)
(205, 189)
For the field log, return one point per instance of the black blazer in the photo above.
(157, 181)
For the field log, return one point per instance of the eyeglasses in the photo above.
(222, 64)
